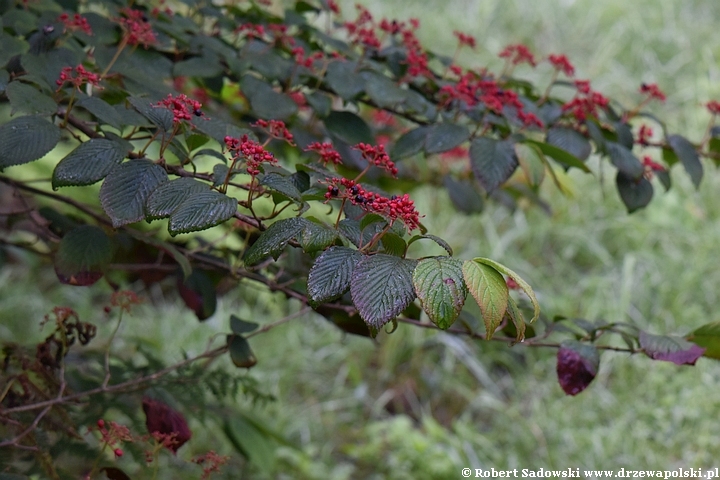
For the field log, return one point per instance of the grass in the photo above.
(418, 404)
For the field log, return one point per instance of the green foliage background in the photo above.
(485, 405)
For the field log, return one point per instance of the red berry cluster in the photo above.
(586, 101)
(333, 7)
(254, 153)
(651, 166)
(517, 54)
(112, 434)
(652, 91)
(362, 30)
(211, 462)
(465, 39)
(276, 129)
(393, 208)
(644, 134)
(713, 107)
(327, 153)
(77, 77)
(74, 23)
(377, 156)
(562, 64)
(306, 61)
(182, 106)
(251, 30)
(137, 29)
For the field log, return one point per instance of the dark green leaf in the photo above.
(438, 240)
(492, 161)
(383, 91)
(687, 153)
(88, 163)
(25, 139)
(11, 46)
(28, 99)
(344, 80)
(83, 254)
(218, 129)
(301, 180)
(269, 104)
(624, 135)
(440, 286)
(165, 199)
(569, 140)
(282, 184)
(201, 67)
(559, 155)
(349, 128)
(635, 194)
(316, 237)
(102, 111)
(159, 115)
(239, 326)
(274, 239)
(409, 144)
(202, 211)
(625, 161)
(442, 137)
(331, 273)
(198, 293)
(126, 188)
(490, 291)
(393, 244)
(464, 195)
(320, 102)
(381, 287)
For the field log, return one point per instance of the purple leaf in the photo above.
(670, 349)
(577, 365)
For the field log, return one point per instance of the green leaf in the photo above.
(274, 239)
(393, 244)
(409, 144)
(126, 188)
(25, 139)
(518, 279)
(687, 153)
(282, 184)
(517, 318)
(159, 115)
(205, 66)
(708, 337)
(492, 161)
(531, 163)
(316, 237)
(438, 240)
(670, 348)
(28, 99)
(102, 111)
(241, 354)
(344, 80)
(351, 230)
(440, 286)
(464, 195)
(624, 135)
(320, 102)
(381, 287)
(165, 199)
(490, 291)
(442, 137)
(559, 155)
(239, 326)
(331, 273)
(571, 141)
(202, 211)
(90, 162)
(199, 294)
(625, 161)
(382, 91)
(269, 104)
(635, 193)
(218, 129)
(83, 254)
(349, 128)
(11, 46)
(301, 180)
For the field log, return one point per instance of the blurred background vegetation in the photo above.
(420, 404)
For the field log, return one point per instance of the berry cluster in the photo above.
(465, 39)
(517, 54)
(562, 64)
(253, 153)
(651, 166)
(586, 101)
(211, 462)
(75, 23)
(377, 156)
(112, 434)
(251, 30)
(182, 107)
(77, 77)
(393, 208)
(713, 107)
(305, 61)
(644, 134)
(276, 129)
(137, 29)
(652, 91)
(327, 153)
